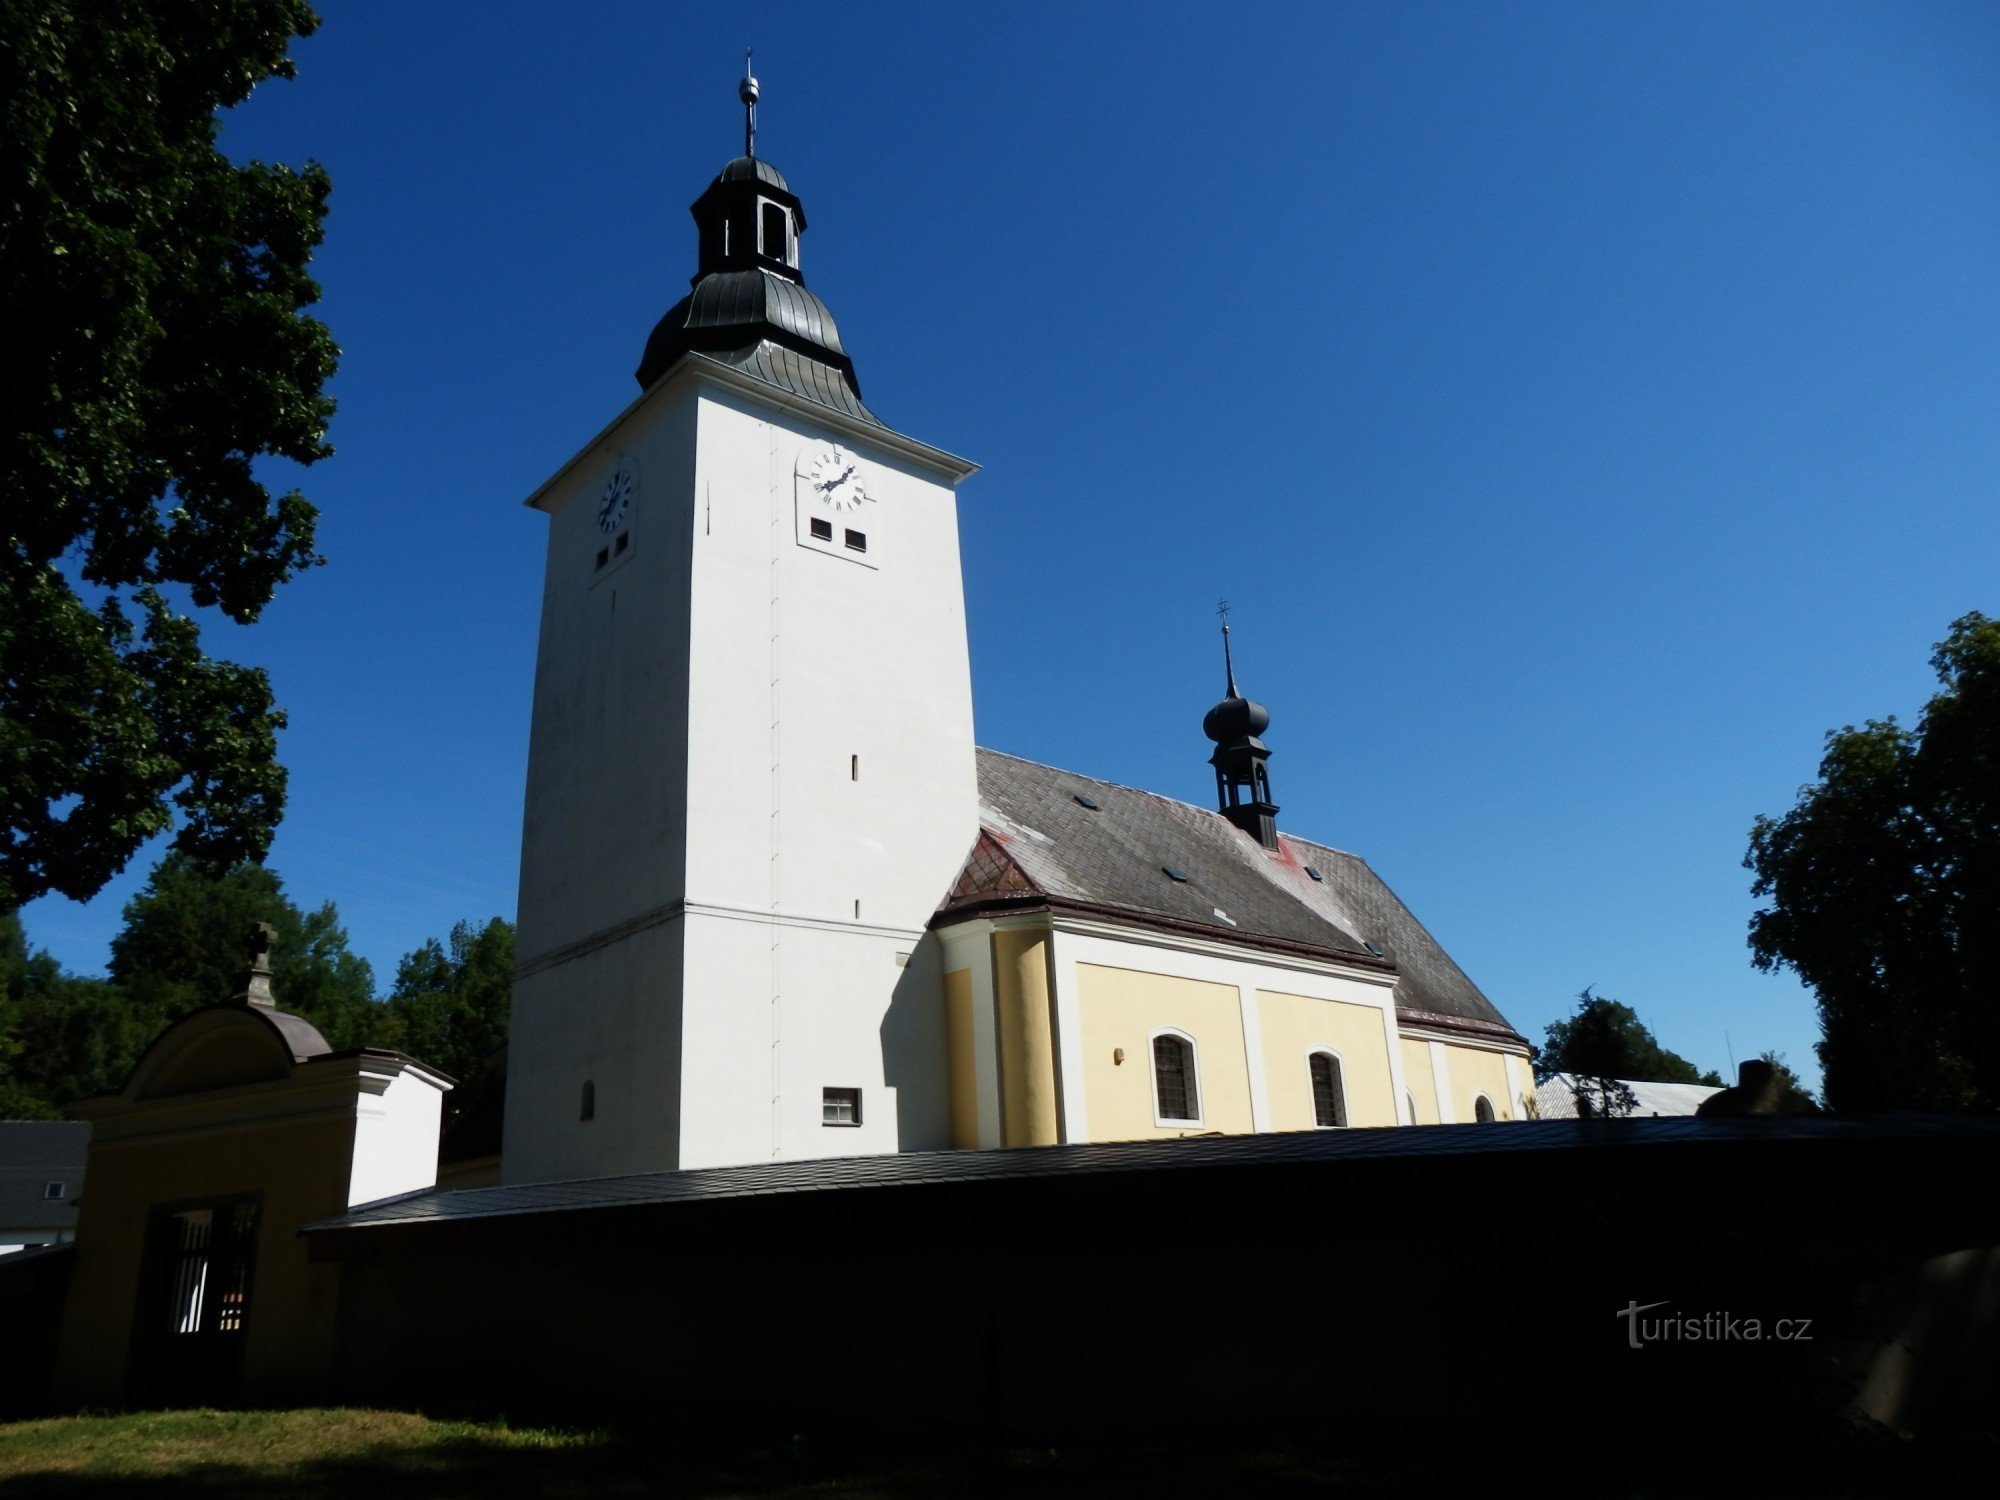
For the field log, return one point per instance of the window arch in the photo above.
(1482, 1110)
(1176, 1090)
(1329, 1097)
(1410, 1104)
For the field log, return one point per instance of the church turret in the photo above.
(1242, 780)
(749, 298)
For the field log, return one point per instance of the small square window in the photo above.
(857, 541)
(822, 530)
(840, 1107)
(624, 541)
(54, 1189)
(603, 556)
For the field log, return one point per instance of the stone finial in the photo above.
(256, 987)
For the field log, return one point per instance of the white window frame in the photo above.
(1339, 1083)
(1479, 1099)
(785, 252)
(1160, 1120)
(849, 1124)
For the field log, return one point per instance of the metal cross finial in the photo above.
(257, 975)
(747, 92)
(1228, 665)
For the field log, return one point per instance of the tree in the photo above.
(182, 947)
(1608, 1038)
(1883, 891)
(153, 295)
(62, 1036)
(450, 1008)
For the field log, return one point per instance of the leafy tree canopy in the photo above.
(182, 946)
(62, 1036)
(449, 1006)
(152, 294)
(1606, 1039)
(1883, 892)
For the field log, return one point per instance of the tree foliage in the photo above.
(1883, 891)
(450, 1006)
(182, 947)
(64, 1037)
(1606, 1038)
(153, 293)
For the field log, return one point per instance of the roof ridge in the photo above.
(1208, 812)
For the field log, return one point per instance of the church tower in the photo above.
(751, 774)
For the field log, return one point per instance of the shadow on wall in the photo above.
(913, 1050)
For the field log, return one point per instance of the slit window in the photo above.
(840, 1107)
(588, 1109)
(1176, 1096)
(1329, 1099)
(822, 530)
(857, 541)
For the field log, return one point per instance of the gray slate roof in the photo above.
(790, 371)
(34, 1153)
(1114, 858)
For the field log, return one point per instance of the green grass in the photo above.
(382, 1455)
(306, 1454)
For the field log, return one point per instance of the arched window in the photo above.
(1329, 1099)
(1410, 1104)
(1176, 1095)
(588, 1111)
(1482, 1110)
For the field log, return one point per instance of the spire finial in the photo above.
(1228, 664)
(747, 92)
(257, 973)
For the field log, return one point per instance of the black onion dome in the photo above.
(1235, 718)
(753, 169)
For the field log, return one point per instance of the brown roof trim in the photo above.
(1437, 1021)
(1032, 901)
(386, 1054)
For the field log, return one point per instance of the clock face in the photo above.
(833, 478)
(614, 502)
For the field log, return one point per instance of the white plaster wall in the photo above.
(602, 834)
(395, 1136)
(696, 845)
(610, 1017)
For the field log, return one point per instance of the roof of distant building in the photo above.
(33, 1155)
(1556, 1099)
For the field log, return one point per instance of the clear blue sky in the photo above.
(1583, 407)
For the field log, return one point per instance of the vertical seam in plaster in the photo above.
(777, 929)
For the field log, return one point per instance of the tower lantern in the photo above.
(1242, 779)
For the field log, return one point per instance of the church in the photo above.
(857, 1068)
(775, 904)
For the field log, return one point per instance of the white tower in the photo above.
(751, 774)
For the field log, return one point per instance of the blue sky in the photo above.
(1583, 408)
